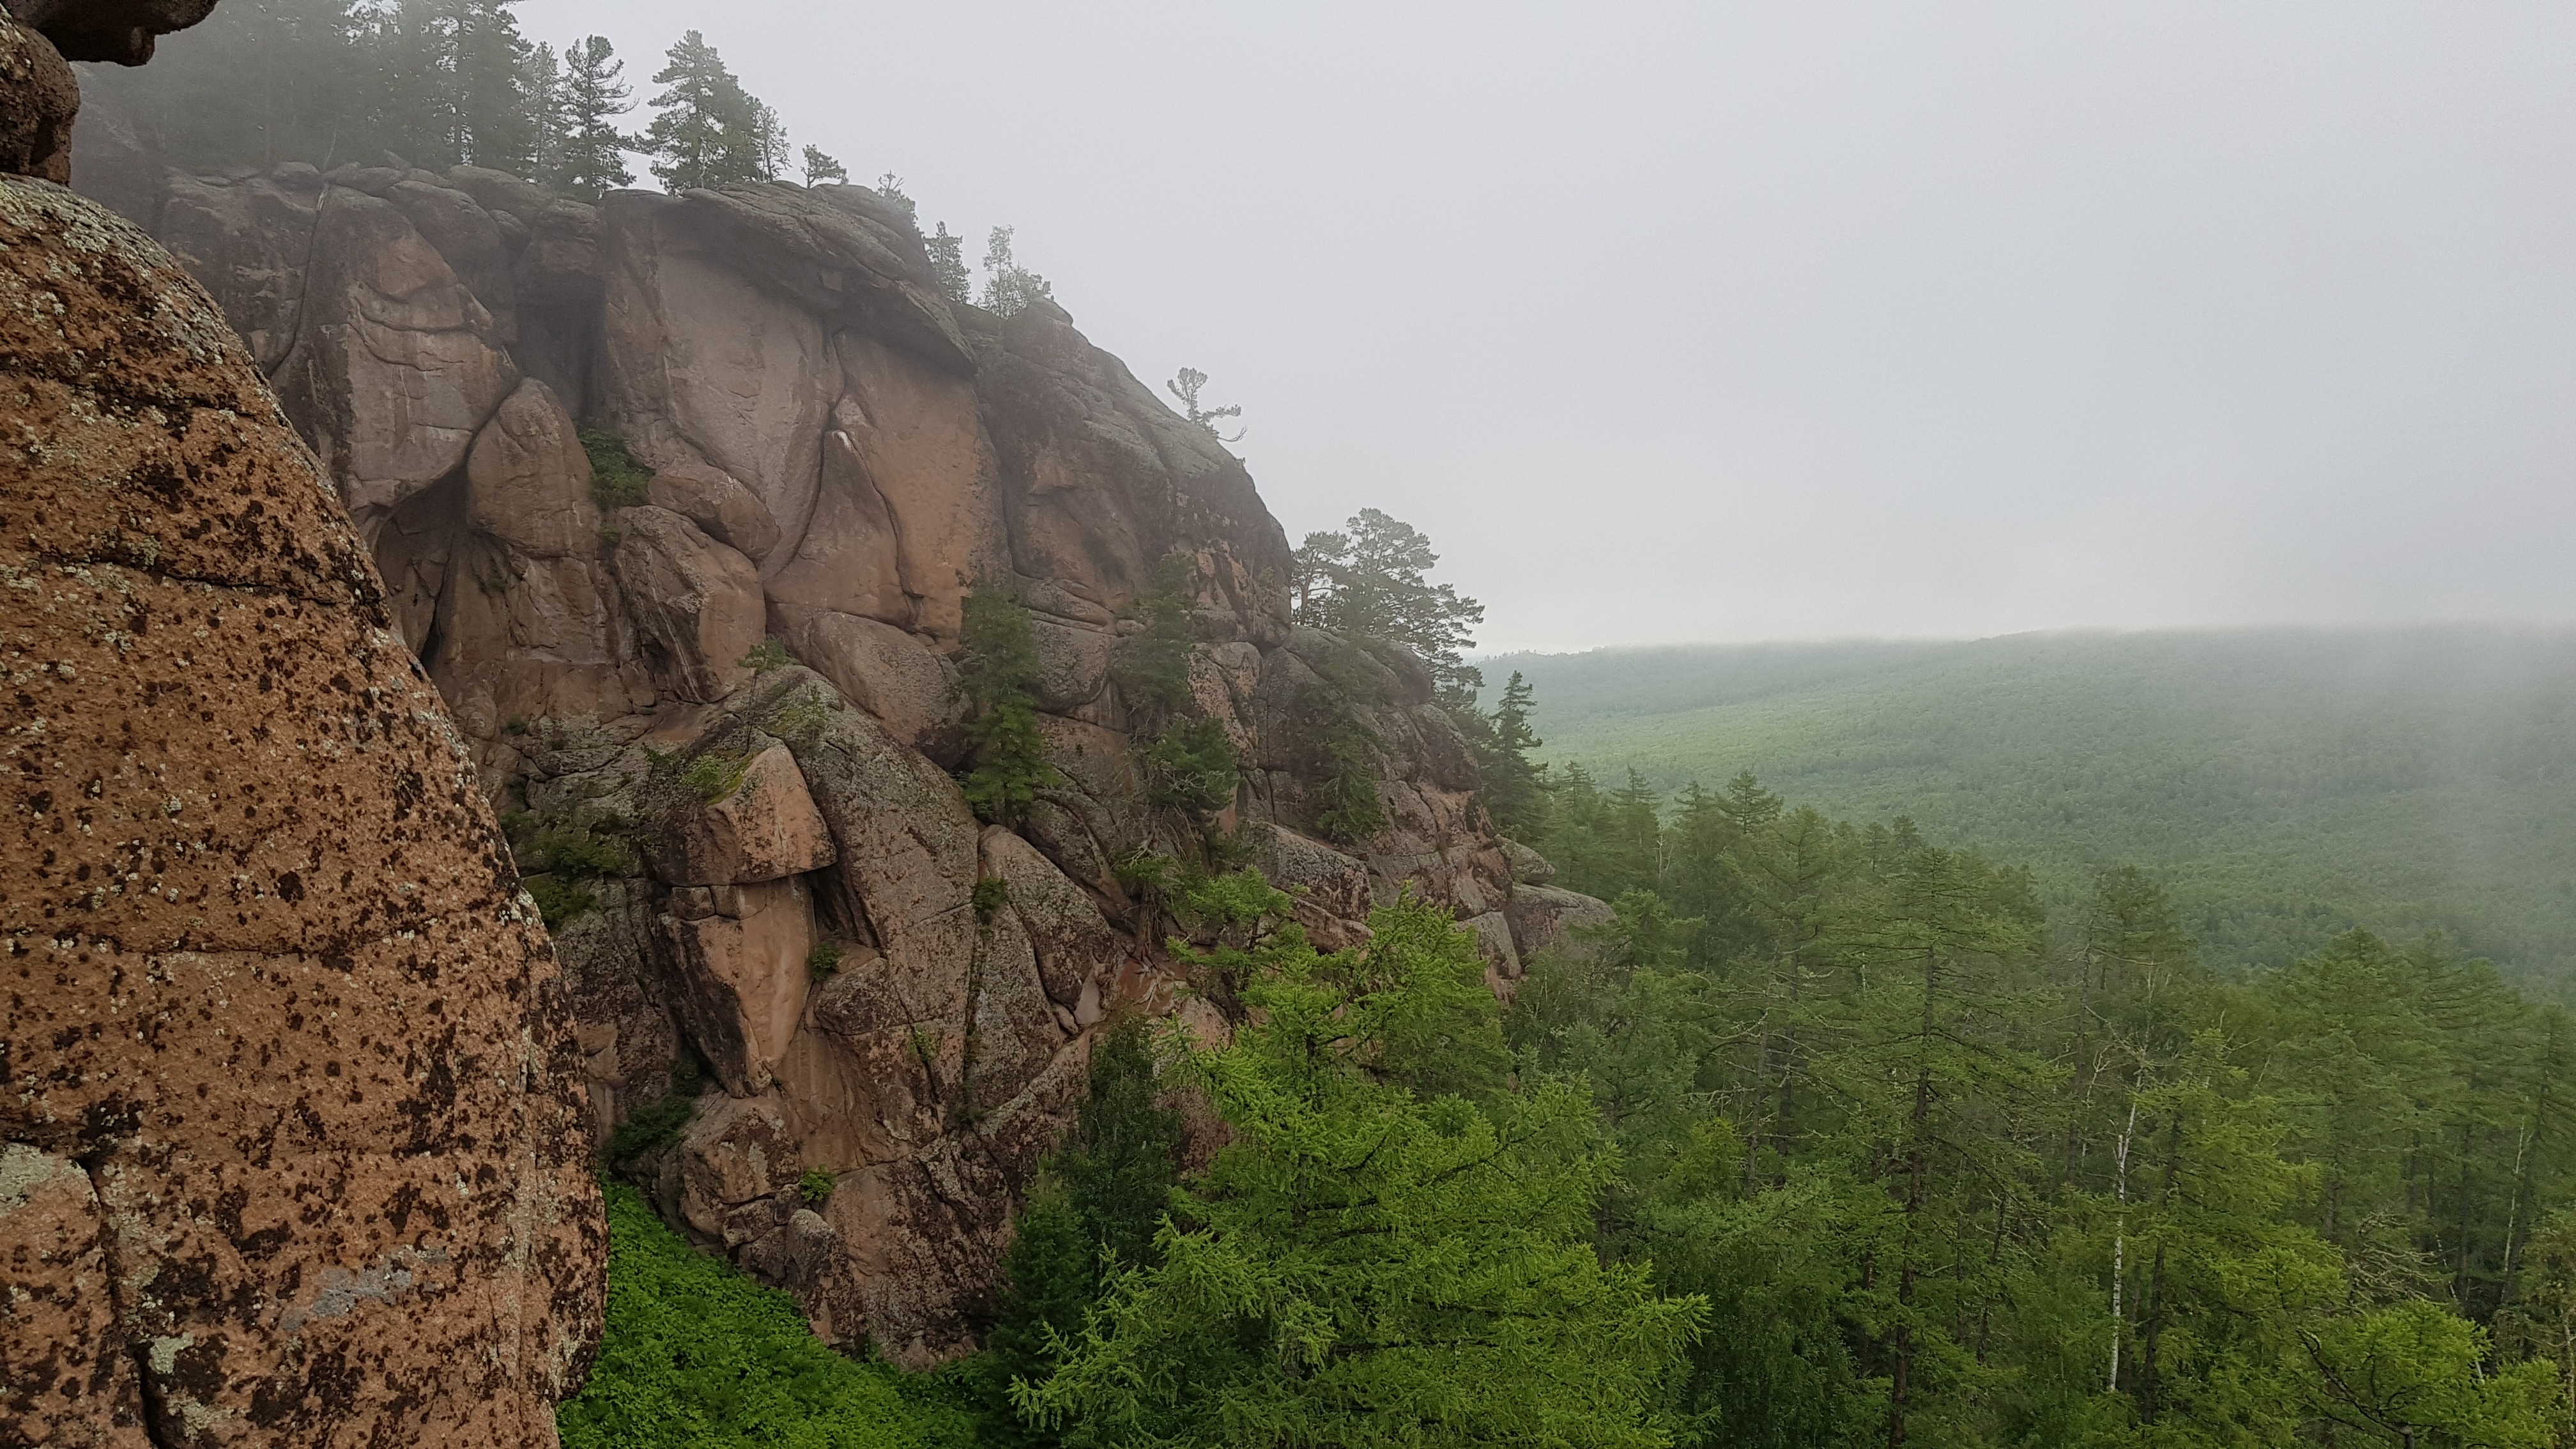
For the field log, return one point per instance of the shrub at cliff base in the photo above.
(697, 1356)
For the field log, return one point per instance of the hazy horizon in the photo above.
(1679, 323)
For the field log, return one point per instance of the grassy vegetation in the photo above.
(2286, 785)
(697, 1356)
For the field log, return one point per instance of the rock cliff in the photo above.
(293, 1147)
(718, 695)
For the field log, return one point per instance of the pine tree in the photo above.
(948, 264)
(497, 123)
(997, 676)
(1369, 1265)
(821, 169)
(1371, 581)
(594, 94)
(709, 131)
(1514, 784)
(1186, 388)
(543, 82)
(1008, 286)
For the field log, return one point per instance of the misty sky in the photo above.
(1719, 322)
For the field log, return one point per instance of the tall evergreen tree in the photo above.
(1008, 286)
(594, 94)
(948, 264)
(708, 130)
(1371, 580)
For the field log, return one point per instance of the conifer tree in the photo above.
(1514, 788)
(997, 676)
(948, 264)
(821, 169)
(1008, 286)
(708, 130)
(594, 94)
(1371, 580)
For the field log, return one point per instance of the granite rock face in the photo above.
(736, 696)
(294, 1148)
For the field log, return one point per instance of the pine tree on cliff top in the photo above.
(595, 93)
(1371, 581)
(709, 131)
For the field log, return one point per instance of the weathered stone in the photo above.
(250, 243)
(717, 503)
(1528, 866)
(1073, 663)
(38, 100)
(742, 979)
(849, 561)
(704, 365)
(1493, 933)
(1073, 942)
(907, 843)
(528, 480)
(733, 1152)
(62, 1361)
(1544, 918)
(470, 242)
(696, 603)
(114, 30)
(266, 907)
(891, 674)
(764, 828)
(917, 438)
(395, 366)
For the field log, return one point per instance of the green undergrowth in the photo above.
(616, 479)
(697, 1356)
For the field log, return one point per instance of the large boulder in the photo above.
(696, 603)
(396, 366)
(282, 991)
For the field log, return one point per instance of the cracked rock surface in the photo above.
(293, 1144)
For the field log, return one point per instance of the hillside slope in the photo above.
(2287, 784)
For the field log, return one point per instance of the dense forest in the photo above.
(1955, 1129)
(2286, 786)
(1831, 1134)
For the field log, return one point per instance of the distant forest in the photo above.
(441, 83)
(2285, 785)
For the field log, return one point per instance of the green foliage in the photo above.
(697, 1356)
(1339, 752)
(1188, 765)
(823, 960)
(1371, 582)
(815, 1184)
(714, 775)
(948, 263)
(998, 679)
(1190, 768)
(589, 158)
(559, 900)
(1100, 1202)
(1186, 388)
(557, 857)
(2285, 785)
(1009, 288)
(821, 169)
(767, 655)
(990, 895)
(1946, 1177)
(709, 131)
(616, 479)
(657, 1124)
(1364, 1265)
(1512, 785)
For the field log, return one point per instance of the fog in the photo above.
(1720, 322)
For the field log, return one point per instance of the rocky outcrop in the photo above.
(294, 1147)
(722, 704)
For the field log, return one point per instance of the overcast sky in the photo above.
(1694, 321)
